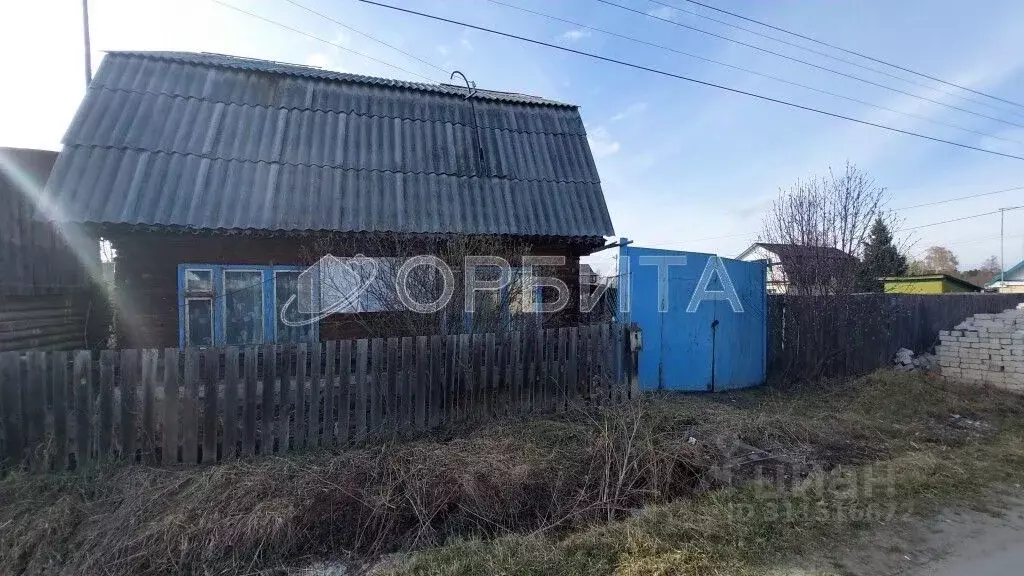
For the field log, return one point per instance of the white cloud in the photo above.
(601, 142)
(630, 111)
(466, 45)
(575, 35)
(444, 50)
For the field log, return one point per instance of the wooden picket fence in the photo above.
(61, 410)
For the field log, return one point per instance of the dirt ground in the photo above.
(954, 543)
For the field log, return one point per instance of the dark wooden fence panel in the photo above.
(848, 335)
(61, 410)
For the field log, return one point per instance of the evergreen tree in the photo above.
(881, 258)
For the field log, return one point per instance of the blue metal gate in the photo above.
(703, 318)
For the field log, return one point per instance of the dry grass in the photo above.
(642, 489)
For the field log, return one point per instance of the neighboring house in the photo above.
(1011, 281)
(927, 284)
(796, 269)
(216, 178)
(46, 296)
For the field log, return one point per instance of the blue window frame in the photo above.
(223, 305)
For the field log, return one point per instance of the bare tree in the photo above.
(829, 216)
(936, 260)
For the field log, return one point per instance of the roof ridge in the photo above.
(289, 68)
(350, 112)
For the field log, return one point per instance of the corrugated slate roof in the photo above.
(206, 141)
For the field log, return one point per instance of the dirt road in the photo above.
(955, 543)
(979, 545)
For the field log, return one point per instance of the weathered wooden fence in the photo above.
(848, 335)
(66, 409)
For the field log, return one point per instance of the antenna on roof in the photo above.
(88, 53)
(470, 86)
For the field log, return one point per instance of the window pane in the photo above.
(286, 286)
(199, 322)
(198, 281)
(243, 307)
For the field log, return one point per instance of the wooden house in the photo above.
(218, 178)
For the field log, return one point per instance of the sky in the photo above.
(683, 166)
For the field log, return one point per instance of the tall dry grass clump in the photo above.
(540, 476)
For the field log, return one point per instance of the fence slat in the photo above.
(301, 376)
(516, 368)
(10, 409)
(572, 377)
(190, 408)
(250, 387)
(128, 384)
(586, 364)
(360, 390)
(150, 358)
(437, 390)
(466, 358)
(391, 414)
(414, 385)
(105, 431)
(617, 365)
(345, 392)
(35, 405)
(83, 407)
(487, 376)
(376, 385)
(315, 394)
(330, 434)
(59, 391)
(229, 447)
(451, 349)
(286, 399)
(315, 384)
(211, 367)
(267, 401)
(562, 370)
(548, 367)
(529, 342)
(169, 429)
(603, 357)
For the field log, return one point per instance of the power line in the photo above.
(963, 218)
(961, 198)
(853, 52)
(836, 58)
(315, 37)
(806, 63)
(686, 78)
(749, 71)
(364, 34)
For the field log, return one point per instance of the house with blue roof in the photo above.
(217, 179)
(1010, 281)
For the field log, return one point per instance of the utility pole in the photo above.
(88, 50)
(1002, 244)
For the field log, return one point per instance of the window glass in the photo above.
(243, 307)
(199, 322)
(286, 285)
(198, 281)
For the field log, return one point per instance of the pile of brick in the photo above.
(986, 348)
